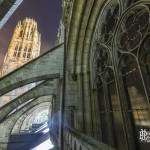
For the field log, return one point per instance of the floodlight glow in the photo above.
(46, 130)
(42, 127)
(46, 145)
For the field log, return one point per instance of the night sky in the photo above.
(47, 13)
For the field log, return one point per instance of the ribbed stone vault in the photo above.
(7, 125)
(25, 118)
(46, 88)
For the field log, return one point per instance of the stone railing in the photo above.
(76, 141)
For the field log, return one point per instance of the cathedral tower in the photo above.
(24, 46)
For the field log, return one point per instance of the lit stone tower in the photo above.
(24, 46)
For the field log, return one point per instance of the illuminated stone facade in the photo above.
(24, 46)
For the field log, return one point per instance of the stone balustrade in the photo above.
(75, 140)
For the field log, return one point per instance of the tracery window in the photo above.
(17, 51)
(27, 53)
(120, 64)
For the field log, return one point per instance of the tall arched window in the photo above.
(120, 64)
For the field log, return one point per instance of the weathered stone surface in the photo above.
(47, 66)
